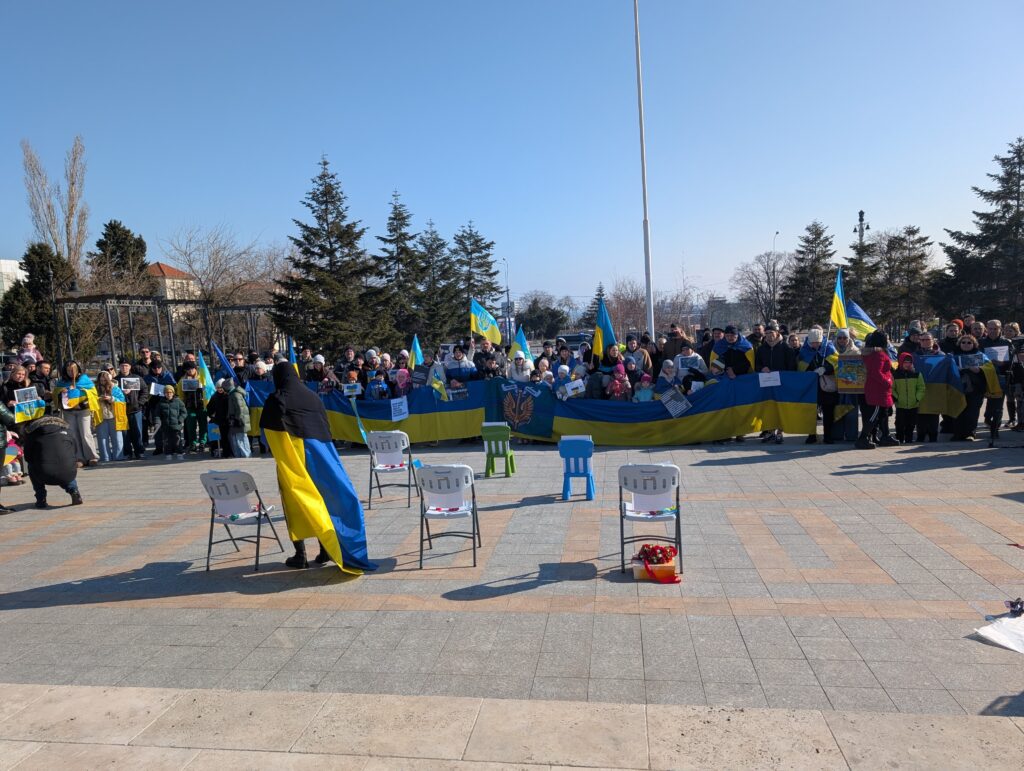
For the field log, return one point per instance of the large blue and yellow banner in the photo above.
(721, 409)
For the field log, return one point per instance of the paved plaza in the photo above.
(819, 584)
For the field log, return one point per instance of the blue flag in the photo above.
(226, 369)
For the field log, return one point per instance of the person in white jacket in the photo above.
(521, 368)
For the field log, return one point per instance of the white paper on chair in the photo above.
(399, 409)
(1006, 632)
(769, 379)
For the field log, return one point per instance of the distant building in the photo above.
(171, 283)
(721, 312)
(10, 271)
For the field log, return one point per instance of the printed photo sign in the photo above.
(850, 374)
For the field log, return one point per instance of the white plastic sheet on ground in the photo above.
(1006, 632)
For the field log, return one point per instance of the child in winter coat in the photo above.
(172, 414)
(562, 379)
(644, 389)
(908, 390)
(618, 389)
(377, 387)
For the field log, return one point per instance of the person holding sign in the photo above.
(970, 361)
(195, 403)
(6, 422)
(773, 355)
(115, 419)
(997, 348)
(77, 399)
(155, 382)
(130, 384)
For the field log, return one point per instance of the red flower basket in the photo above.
(655, 562)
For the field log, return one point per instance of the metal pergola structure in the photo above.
(162, 311)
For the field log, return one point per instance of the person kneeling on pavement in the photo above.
(50, 453)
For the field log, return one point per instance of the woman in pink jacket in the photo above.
(877, 392)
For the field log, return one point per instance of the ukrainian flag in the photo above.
(858, 320)
(120, 409)
(483, 323)
(318, 497)
(520, 344)
(291, 355)
(415, 353)
(82, 390)
(438, 385)
(205, 380)
(604, 335)
(838, 313)
(26, 411)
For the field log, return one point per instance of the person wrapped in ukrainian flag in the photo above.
(318, 497)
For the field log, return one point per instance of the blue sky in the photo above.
(522, 117)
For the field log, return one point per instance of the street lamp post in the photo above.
(508, 307)
(643, 170)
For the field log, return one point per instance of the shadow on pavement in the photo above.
(547, 574)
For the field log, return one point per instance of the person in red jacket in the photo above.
(877, 392)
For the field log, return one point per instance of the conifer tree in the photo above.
(119, 252)
(441, 311)
(806, 295)
(474, 256)
(403, 269)
(901, 291)
(326, 298)
(589, 317)
(27, 306)
(985, 275)
(859, 274)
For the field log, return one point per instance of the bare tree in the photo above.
(220, 264)
(627, 305)
(758, 283)
(60, 216)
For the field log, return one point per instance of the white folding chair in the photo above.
(653, 497)
(229, 493)
(390, 453)
(447, 492)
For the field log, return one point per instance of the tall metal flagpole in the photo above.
(643, 172)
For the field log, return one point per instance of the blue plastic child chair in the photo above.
(577, 453)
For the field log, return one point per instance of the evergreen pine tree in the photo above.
(474, 256)
(901, 290)
(588, 318)
(859, 274)
(984, 275)
(806, 295)
(120, 254)
(404, 272)
(27, 305)
(441, 311)
(326, 298)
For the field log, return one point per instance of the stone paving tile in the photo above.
(808, 611)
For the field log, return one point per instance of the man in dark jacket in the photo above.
(773, 355)
(1000, 351)
(135, 404)
(717, 333)
(672, 343)
(50, 454)
(157, 376)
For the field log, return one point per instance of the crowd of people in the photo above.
(163, 406)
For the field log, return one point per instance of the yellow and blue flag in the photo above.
(859, 321)
(838, 313)
(483, 323)
(291, 355)
(520, 343)
(604, 335)
(30, 410)
(319, 499)
(205, 379)
(438, 385)
(415, 353)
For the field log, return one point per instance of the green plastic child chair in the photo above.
(498, 444)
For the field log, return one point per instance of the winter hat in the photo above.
(260, 366)
(220, 382)
(958, 322)
(842, 332)
(563, 370)
(731, 330)
(906, 356)
(645, 378)
(319, 359)
(519, 355)
(404, 353)
(915, 329)
(877, 339)
(629, 360)
(371, 353)
(618, 369)
(814, 336)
